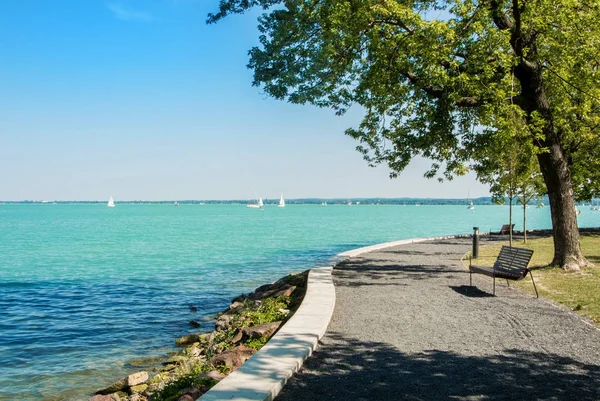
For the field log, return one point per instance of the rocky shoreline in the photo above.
(206, 358)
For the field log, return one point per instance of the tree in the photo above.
(530, 189)
(429, 72)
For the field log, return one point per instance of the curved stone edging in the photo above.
(263, 375)
(355, 252)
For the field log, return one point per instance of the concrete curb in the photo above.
(358, 251)
(263, 375)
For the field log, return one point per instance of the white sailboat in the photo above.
(111, 202)
(258, 205)
(471, 206)
(281, 201)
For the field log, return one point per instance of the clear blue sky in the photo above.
(140, 99)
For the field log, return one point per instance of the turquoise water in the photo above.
(85, 289)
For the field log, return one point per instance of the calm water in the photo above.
(84, 289)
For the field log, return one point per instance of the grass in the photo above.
(578, 291)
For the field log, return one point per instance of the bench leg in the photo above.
(470, 278)
(507, 283)
(494, 285)
(534, 287)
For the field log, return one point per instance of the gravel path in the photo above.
(406, 326)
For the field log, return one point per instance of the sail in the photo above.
(260, 202)
(111, 203)
(281, 201)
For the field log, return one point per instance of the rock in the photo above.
(223, 322)
(235, 306)
(262, 330)
(213, 374)
(264, 288)
(195, 351)
(186, 397)
(239, 335)
(113, 388)
(286, 291)
(137, 397)
(240, 298)
(187, 340)
(137, 378)
(233, 358)
(193, 308)
(194, 323)
(174, 360)
(139, 388)
(106, 397)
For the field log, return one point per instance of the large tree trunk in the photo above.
(555, 169)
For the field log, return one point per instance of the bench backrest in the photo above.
(512, 258)
(506, 228)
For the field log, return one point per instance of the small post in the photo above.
(475, 252)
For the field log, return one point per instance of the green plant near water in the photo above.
(270, 310)
(174, 390)
(256, 343)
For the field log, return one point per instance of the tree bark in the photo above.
(557, 175)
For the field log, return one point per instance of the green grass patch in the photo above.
(576, 290)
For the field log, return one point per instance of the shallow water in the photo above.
(85, 289)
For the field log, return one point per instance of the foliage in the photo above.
(428, 73)
(444, 79)
(174, 389)
(256, 343)
(270, 310)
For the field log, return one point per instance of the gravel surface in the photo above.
(407, 326)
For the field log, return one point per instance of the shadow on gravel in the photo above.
(348, 369)
(471, 292)
(387, 272)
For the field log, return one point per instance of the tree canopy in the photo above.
(446, 79)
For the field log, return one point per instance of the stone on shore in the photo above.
(213, 374)
(106, 397)
(120, 385)
(187, 340)
(139, 388)
(262, 330)
(233, 358)
(137, 378)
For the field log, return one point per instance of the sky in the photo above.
(140, 99)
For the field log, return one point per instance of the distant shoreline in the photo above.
(297, 201)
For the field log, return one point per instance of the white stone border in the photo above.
(358, 251)
(263, 376)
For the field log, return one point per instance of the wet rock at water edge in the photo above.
(137, 378)
(223, 322)
(194, 324)
(106, 397)
(120, 385)
(187, 340)
(139, 388)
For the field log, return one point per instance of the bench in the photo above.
(511, 264)
(505, 230)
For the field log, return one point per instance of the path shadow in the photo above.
(356, 273)
(349, 369)
(471, 292)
